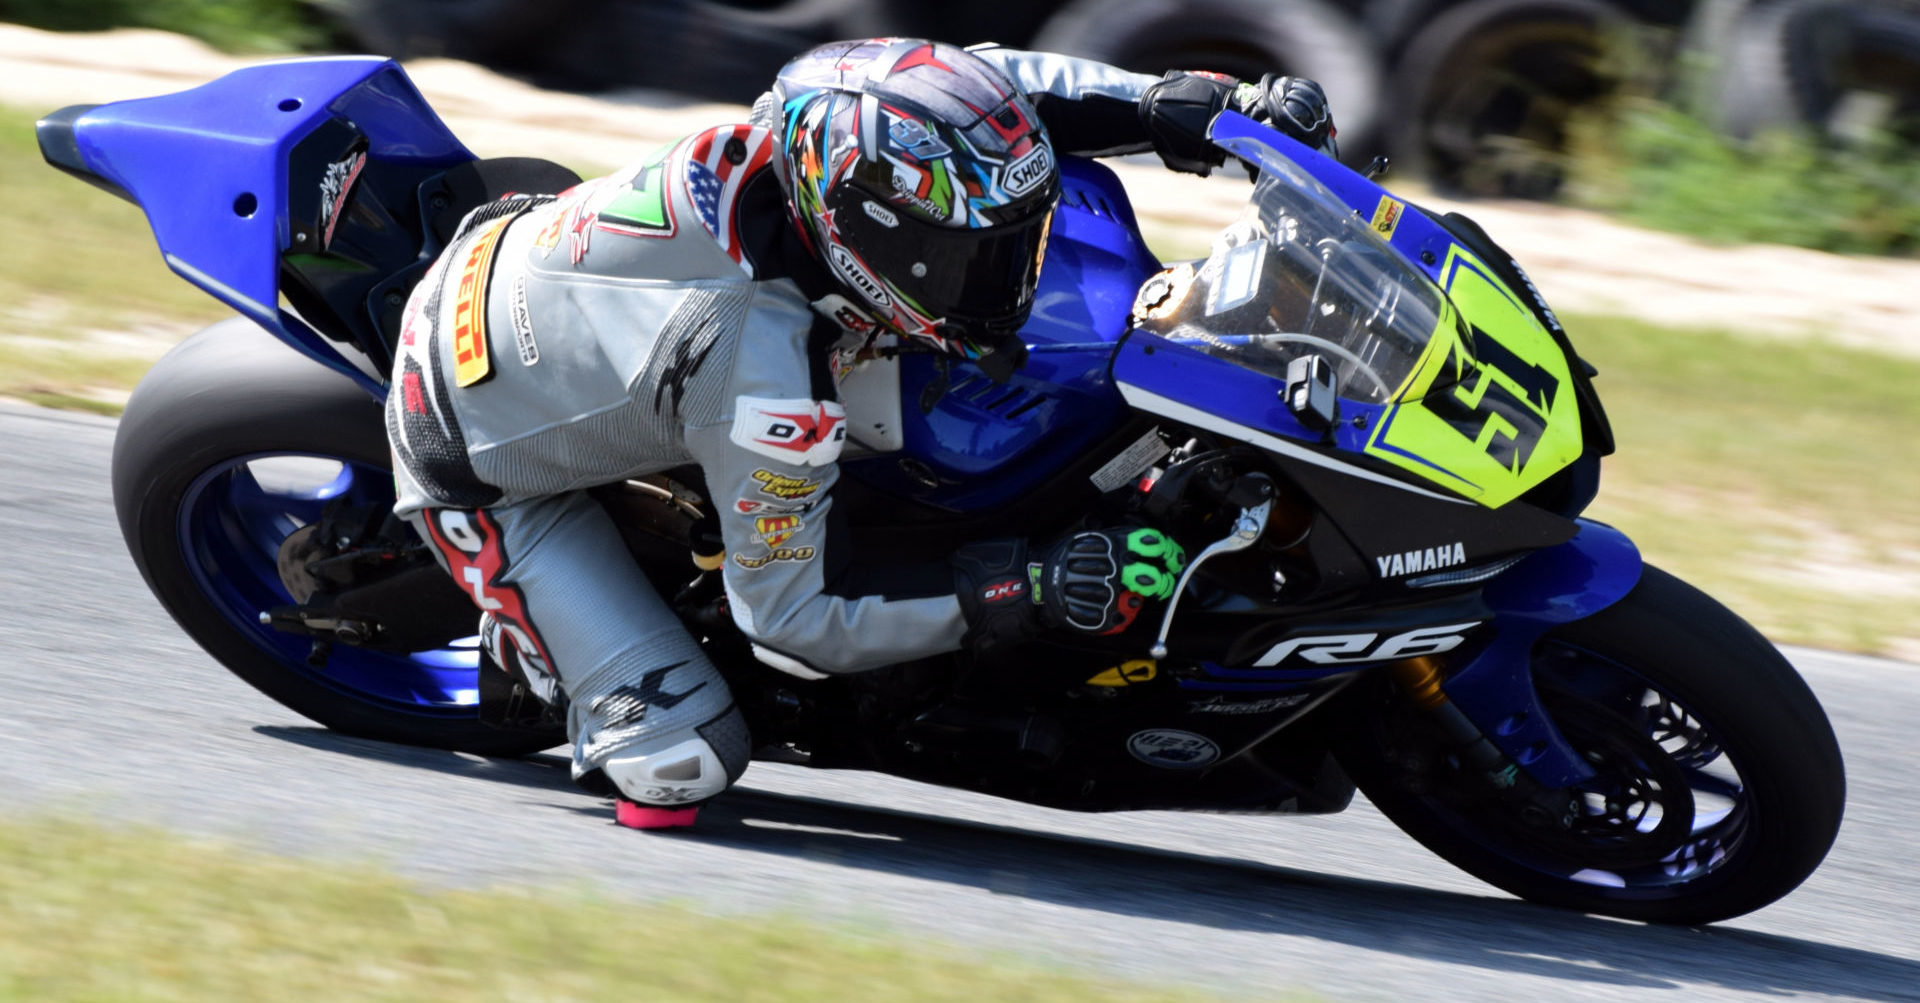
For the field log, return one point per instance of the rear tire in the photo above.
(1746, 704)
(230, 392)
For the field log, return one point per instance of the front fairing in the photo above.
(1446, 376)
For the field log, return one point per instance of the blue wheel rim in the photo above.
(1725, 819)
(231, 524)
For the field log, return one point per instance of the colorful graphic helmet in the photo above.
(925, 183)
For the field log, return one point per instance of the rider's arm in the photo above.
(806, 602)
(1090, 109)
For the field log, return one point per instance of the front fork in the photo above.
(1420, 680)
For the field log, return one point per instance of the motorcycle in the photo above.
(1360, 418)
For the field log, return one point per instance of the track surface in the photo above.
(112, 711)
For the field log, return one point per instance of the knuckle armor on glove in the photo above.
(1099, 581)
(1296, 106)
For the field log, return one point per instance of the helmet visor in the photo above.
(976, 277)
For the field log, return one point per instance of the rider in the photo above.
(700, 307)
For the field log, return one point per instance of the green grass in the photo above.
(1781, 476)
(1662, 168)
(233, 25)
(78, 270)
(88, 913)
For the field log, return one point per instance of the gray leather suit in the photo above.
(652, 318)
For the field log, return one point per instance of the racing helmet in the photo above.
(924, 183)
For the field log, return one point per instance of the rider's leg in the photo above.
(647, 712)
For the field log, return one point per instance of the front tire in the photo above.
(203, 439)
(1693, 721)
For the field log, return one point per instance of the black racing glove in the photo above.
(1095, 581)
(1178, 109)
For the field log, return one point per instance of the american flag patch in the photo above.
(719, 163)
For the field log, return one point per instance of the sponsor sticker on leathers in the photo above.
(522, 323)
(797, 430)
(774, 530)
(776, 554)
(783, 487)
(470, 361)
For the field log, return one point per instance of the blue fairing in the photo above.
(988, 444)
(1556, 585)
(223, 229)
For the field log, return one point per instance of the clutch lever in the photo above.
(1247, 528)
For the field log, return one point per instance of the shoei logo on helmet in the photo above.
(857, 276)
(1029, 172)
(881, 214)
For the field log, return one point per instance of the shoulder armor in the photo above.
(714, 166)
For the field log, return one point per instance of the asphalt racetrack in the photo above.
(113, 712)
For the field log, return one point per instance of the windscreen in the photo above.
(1299, 274)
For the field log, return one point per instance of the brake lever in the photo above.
(1247, 528)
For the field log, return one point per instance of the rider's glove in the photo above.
(1296, 106)
(1095, 581)
(1177, 110)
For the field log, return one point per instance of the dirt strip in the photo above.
(1582, 261)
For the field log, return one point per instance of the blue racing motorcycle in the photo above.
(1359, 417)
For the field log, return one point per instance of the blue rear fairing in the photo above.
(164, 152)
(988, 444)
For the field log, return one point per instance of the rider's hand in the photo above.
(1097, 581)
(1296, 106)
(1178, 109)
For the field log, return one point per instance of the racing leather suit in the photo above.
(663, 315)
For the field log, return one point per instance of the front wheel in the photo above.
(1718, 783)
(231, 443)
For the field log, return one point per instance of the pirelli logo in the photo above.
(471, 363)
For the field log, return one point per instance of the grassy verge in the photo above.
(233, 25)
(86, 304)
(1663, 168)
(1781, 476)
(92, 914)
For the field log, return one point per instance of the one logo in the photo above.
(1386, 216)
(842, 311)
(1172, 750)
(470, 361)
(1217, 704)
(1140, 670)
(1029, 172)
(881, 214)
(916, 140)
(857, 275)
(1344, 649)
(336, 185)
(774, 530)
(628, 704)
(1001, 591)
(753, 506)
(522, 323)
(793, 431)
(776, 554)
(783, 487)
(1446, 555)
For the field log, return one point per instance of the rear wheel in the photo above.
(1718, 784)
(231, 443)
